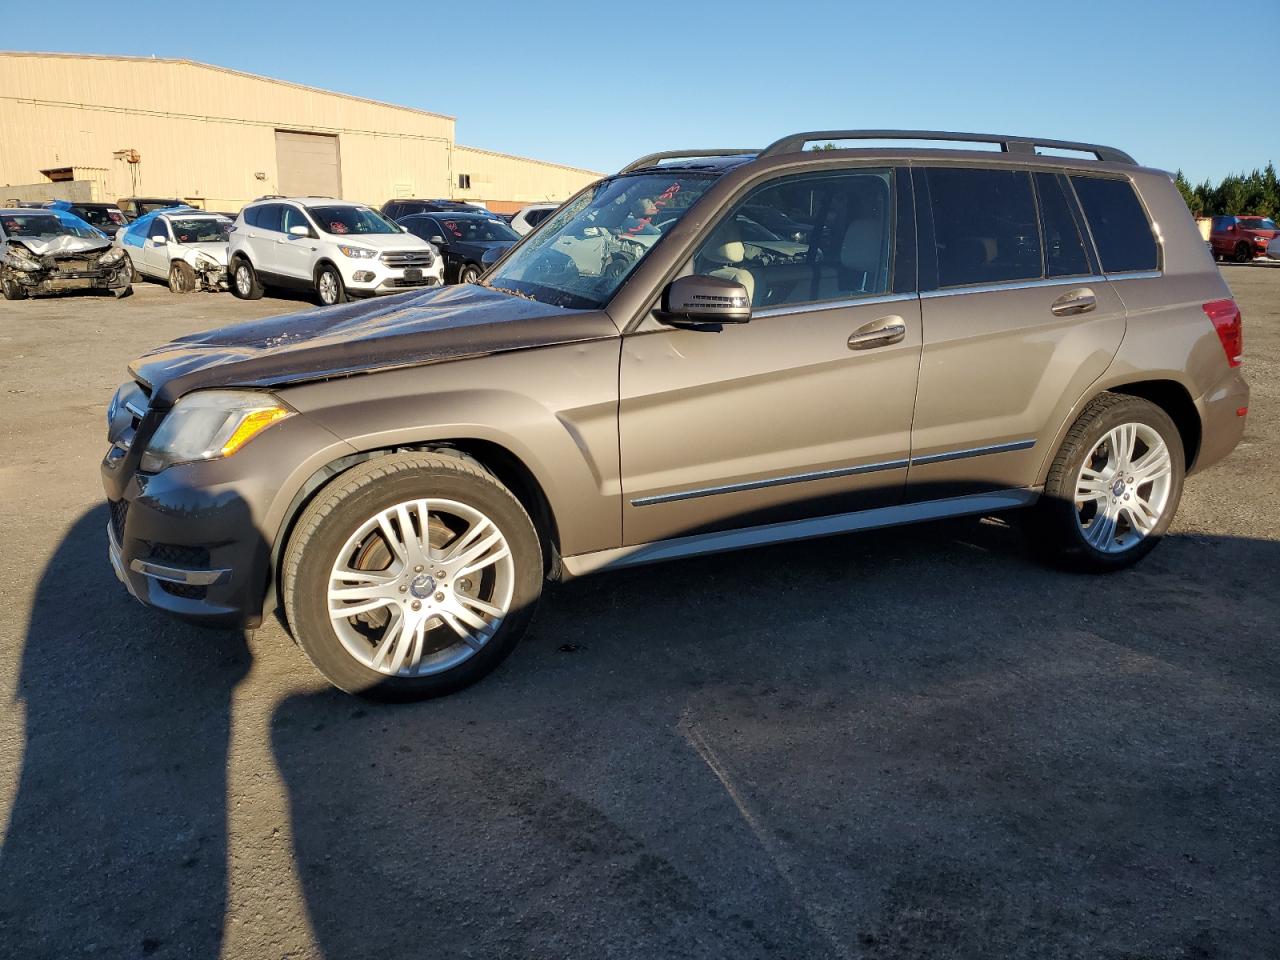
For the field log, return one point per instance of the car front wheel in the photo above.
(182, 278)
(329, 286)
(1114, 486)
(1243, 253)
(469, 273)
(244, 280)
(12, 289)
(411, 576)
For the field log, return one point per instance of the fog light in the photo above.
(362, 276)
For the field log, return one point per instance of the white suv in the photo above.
(334, 247)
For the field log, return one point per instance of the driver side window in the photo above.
(807, 239)
(293, 217)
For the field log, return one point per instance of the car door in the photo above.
(155, 249)
(295, 255)
(1017, 320)
(264, 229)
(806, 409)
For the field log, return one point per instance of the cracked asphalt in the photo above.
(915, 743)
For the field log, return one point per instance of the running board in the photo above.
(585, 563)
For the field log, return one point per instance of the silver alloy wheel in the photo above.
(244, 282)
(420, 587)
(469, 275)
(328, 288)
(1123, 487)
(176, 280)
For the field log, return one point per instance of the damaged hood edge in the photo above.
(63, 245)
(451, 323)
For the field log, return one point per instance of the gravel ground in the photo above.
(914, 743)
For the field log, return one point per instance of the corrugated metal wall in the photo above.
(209, 134)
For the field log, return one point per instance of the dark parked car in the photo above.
(1240, 238)
(470, 242)
(135, 207)
(107, 217)
(398, 209)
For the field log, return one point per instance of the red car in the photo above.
(1240, 238)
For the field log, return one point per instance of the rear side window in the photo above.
(984, 224)
(535, 217)
(251, 216)
(392, 211)
(1119, 225)
(1064, 251)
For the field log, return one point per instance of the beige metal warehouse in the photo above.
(106, 127)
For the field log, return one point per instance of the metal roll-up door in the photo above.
(308, 164)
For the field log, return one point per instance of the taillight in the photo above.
(1225, 316)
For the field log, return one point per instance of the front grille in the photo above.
(401, 282)
(119, 511)
(180, 556)
(409, 258)
(75, 265)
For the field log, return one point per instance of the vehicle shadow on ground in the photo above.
(913, 743)
(117, 839)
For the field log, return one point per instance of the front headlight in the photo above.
(206, 261)
(357, 253)
(211, 424)
(114, 255)
(20, 261)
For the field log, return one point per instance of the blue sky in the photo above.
(596, 84)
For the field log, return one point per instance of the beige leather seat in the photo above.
(726, 248)
(863, 257)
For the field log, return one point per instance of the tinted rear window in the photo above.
(1120, 227)
(1064, 252)
(984, 224)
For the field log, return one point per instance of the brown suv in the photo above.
(709, 350)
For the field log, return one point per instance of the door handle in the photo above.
(878, 333)
(1074, 302)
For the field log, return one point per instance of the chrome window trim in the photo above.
(850, 471)
(769, 482)
(1013, 285)
(723, 540)
(1136, 275)
(815, 306)
(973, 452)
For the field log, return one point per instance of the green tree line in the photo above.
(1240, 194)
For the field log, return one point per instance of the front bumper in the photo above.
(373, 278)
(56, 280)
(195, 540)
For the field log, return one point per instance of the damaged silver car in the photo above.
(52, 251)
(181, 246)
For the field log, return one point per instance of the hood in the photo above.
(404, 330)
(380, 241)
(63, 245)
(217, 249)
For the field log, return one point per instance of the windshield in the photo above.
(476, 229)
(581, 256)
(44, 225)
(200, 229)
(348, 220)
(98, 216)
(1257, 223)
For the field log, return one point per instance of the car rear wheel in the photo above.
(411, 576)
(182, 278)
(1114, 486)
(244, 280)
(469, 273)
(1243, 253)
(329, 286)
(12, 289)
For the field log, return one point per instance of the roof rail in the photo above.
(649, 159)
(1008, 144)
(270, 196)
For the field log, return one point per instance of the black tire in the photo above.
(1057, 521)
(330, 291)
(182, 278)
(12, 289)
(134, 275)
(468, 273)
(1243, 253)
(350, 500)
(244, 280)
